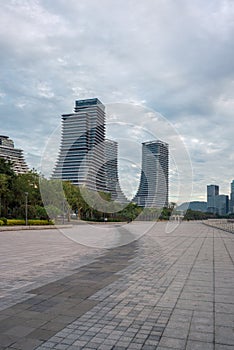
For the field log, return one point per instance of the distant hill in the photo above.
(195, 205)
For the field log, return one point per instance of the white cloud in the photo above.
(44, 90)
(175, 57)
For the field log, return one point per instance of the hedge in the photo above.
(40, 222)
(13, 222)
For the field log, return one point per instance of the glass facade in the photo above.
(153, 188)
(81, 155)
(212, 193)
(111, 171)
(222, 204)
(232, 197)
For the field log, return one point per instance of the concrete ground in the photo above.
(163, 291)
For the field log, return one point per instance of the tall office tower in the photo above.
(232, 197)
(222, 204)
(212, 193)
(153, 188)
(111, 171)
(12, 154)
(81, 156)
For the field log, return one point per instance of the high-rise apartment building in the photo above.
(232, 197)
(111, 172)
(212, 193)
(12, 154)
(153, 188)
(81, 157)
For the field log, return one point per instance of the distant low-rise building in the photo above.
(12, 154)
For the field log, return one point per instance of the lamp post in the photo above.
(26, 208)
(63, 211)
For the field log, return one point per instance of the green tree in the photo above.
(195, 215)
(25, 185)
(3, 190)
(7, 177)
(6, 167)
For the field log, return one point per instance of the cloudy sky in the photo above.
(174, 57)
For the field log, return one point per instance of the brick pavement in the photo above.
(29, 259)
(164, 291)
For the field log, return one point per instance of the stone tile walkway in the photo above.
(29, 259)
(164, 291)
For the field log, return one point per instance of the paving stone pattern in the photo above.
(164, 291)
(29, 259)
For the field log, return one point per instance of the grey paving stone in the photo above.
(174, 343)
(149, 347)
(179, 333)
(224, 308)
(223, 347)
(151, 343)
(201, 327)
(163, 348)
(224, 319)
(80, 343)
(200, 336)
(121, 344)
(195, 345)
(224, 335)
(61, 347)
(49, 345)
(26, 344)
(135, 346)
(19, 331)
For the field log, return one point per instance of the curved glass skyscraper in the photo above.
(153, 188)
(111, 171)
(81, 155)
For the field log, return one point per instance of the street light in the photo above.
(26, 208)
(63, 211)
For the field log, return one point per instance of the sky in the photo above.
(169, 64)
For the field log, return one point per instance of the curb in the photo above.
(32, 227)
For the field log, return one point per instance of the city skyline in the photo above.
(138, 54)
(153, 186)
(87, 158)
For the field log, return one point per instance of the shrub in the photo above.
(41, 213)
(4, 221)
(1, 223)
(13, 222)
(40, 222)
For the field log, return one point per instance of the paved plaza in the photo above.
(162, 291)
